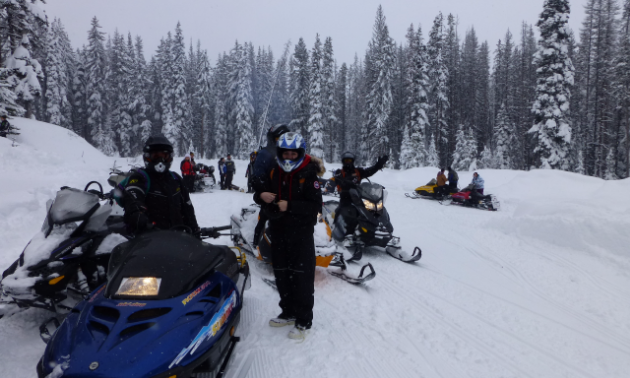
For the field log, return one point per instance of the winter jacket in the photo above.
(160, 199)
(441, 179)
(453, 176)
(300, 188)
(5, 126)
(221, 166)
(348, 177)
(230, 167)
(187, 168)
(477, 182)
(264, 163)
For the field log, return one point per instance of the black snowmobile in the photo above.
(170, 308)
(374, 229)
(67, 259)
(204, 179)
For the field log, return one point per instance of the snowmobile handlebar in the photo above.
(213, 232)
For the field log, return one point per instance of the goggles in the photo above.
(347, 161)
(160, 155)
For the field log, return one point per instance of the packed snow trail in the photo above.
(537, 289)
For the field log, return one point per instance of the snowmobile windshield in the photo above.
(371, 192)
(72, 205)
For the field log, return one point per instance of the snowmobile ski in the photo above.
(398, 253)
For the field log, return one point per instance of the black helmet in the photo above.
(275, 132)
(158, 153)
(347, 159)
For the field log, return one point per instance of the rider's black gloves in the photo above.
(381, 161)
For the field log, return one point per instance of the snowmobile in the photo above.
(483, 202)
(328, 187)
(170, 308)
(67, 258)
(428, 192)
(204, 180)
(243, 228)
(374, 229)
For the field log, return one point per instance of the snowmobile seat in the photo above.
(179, 259)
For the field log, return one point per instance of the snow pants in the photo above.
(189, 183)
(228, 180)
(293, 258)
(346, 220)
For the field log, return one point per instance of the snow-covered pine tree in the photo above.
(611, 168)
(460, 146)
(452, 60)
(139, 106)
(203, 101)
(57, 104)
(79, 99)
(432, 155)
(552, 129)
(503, 138)
(622, 92)
(219, 123)
(241, 97)
(487, 159)
(438, 76)
(341, 96)
(164, 66)
(95, 66)
(407, 153)
(418, 76)
(300, 84)
(181, 123)
(380, 61)
(315, 125)
(329, 104)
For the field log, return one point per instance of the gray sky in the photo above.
(218, 23)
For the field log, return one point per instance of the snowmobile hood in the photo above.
(118, 338)
(179, 260)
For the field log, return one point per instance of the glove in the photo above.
(382, 161)
(138, 222)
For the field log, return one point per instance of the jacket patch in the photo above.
(316, 184)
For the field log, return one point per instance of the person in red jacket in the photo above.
(188, 174)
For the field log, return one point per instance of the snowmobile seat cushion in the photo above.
(180, 260)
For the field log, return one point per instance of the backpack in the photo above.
(120, 189)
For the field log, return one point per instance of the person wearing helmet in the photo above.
(347, 178)
(264, 163)
(291, 199)
(155, 196)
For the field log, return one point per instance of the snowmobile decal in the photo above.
(195, 293)
(131, 304)
(215, 325)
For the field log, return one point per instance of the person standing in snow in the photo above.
(155, 196)
(221, 166)
(5, 126)
(230, 170)
(453, 179)
(291, 199)
(193, 162)
(441, 189)
(264, 163)
(188, 173)
(249, 173)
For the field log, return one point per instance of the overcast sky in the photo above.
(219, 23)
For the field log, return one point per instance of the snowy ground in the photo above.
(538, 289)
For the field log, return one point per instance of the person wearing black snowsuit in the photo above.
(291, 233)
(346, 178)
(221, 166)
(5, 127)
(230, 170)
(264, 163)
(155, 196)
(453, 179)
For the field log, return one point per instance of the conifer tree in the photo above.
(241, 97)
(95, 70)
(503, 140)
(438, 74)
(329, 114)
(552, 128)
(300, 84)
(315, 125)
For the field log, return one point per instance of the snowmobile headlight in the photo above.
(369, 205)
(379, 206)
(139, 286)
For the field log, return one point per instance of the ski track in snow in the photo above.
(538, 289)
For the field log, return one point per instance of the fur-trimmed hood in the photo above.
(319, 163)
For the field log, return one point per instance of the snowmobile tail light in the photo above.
(56, 280)
(139, 286)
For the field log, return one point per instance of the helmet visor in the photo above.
(347, 161)
(157, 155)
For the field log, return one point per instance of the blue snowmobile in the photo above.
(170, 308)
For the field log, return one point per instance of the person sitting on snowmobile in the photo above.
(155, 196)
(476, 188)
(291, 199)
(453, 179)
(347, 178)
(263, 164)
(442, 188)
